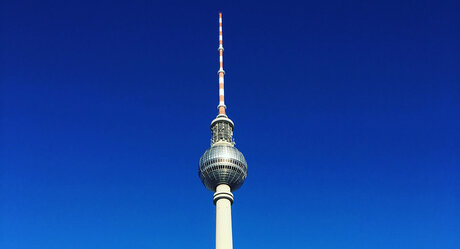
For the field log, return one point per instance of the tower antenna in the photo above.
(221, 71)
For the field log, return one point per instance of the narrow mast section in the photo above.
(221, 71)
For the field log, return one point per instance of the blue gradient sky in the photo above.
(347, 113)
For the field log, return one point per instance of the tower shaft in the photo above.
(223, 199)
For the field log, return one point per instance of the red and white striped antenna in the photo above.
(221, 71)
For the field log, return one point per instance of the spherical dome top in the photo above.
(222, 164)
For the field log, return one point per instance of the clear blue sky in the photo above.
(348, 113)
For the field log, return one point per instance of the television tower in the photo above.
(222, 168)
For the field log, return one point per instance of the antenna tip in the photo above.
(220, 14)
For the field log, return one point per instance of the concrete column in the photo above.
(223, 199)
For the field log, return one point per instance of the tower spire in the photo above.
(221, 71)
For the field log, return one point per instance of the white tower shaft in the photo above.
(223, 198)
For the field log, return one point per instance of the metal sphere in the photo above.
(222, 164)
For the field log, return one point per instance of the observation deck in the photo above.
(222, 163)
